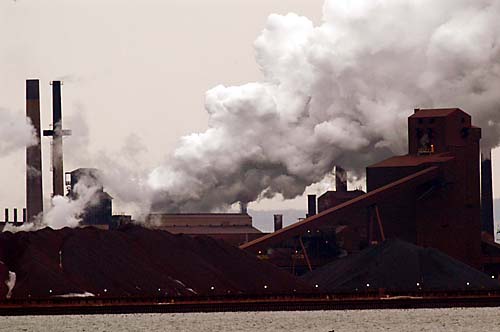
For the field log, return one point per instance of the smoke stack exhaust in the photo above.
(340, 179)
(311, 205)
(487, 220)
(278, 222)
(34, 196)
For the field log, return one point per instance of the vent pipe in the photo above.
(311, 205)
(340, 179)
(487, 221)
(34, 196)
(243, 208)
(278, 222)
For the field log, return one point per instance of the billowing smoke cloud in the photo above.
(65, 211)
(68, 211)
(16, 132)
(336, 93)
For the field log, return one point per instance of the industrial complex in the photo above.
(434, 203)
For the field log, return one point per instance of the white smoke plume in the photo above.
(16, 132)
(68, 211)
(339, 93)
(10, 283)
(64, 211)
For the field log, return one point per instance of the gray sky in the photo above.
(136, 68)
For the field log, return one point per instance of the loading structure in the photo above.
(429, 197)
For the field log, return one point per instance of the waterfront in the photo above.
(422, 320)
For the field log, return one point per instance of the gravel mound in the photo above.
(395, 265)
(133, 261)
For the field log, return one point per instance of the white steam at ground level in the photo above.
(65, 211)
(337, 93)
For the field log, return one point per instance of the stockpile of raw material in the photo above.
(131, 261)
(395, 265)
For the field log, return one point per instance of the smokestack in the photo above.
(340, 179)
(311, 205)
(57, 134)
(243, 208)
(34, 196)
(15, 215)
(487, 221)
(278, 222)
(6, 215)
(57, 152)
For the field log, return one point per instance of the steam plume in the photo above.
(64, 211)
(15, 132)
(336, 93)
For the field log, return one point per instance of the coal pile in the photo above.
(395, 265)
(132, 261)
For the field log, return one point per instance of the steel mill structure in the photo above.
(430, 197)
(234, 228)
(433, 197)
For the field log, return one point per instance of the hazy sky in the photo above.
(135, 73)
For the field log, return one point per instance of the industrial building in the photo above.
(234, 228)
(433, 197)
(429, 197)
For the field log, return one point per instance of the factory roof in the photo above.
(414, 160)
(435, 112)
(200, 215)
(343, 194)
(207, 230)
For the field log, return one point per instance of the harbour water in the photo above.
(421, 320)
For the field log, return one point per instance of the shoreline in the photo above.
(91, 306)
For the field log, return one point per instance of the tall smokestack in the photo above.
(57, 134)
(278, 222)
(34, 197)
(487, 221)
(311, 205)
(57, 152)
(340, 179)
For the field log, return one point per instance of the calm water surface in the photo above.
(442, 320)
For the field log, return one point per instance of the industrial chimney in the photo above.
(311, 205)
(340, 179)
(34, 196)
(278, 222)
(487, 220)
(57, 134)
(243, 208)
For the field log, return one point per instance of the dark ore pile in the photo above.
(132, 261)
(395, 265)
